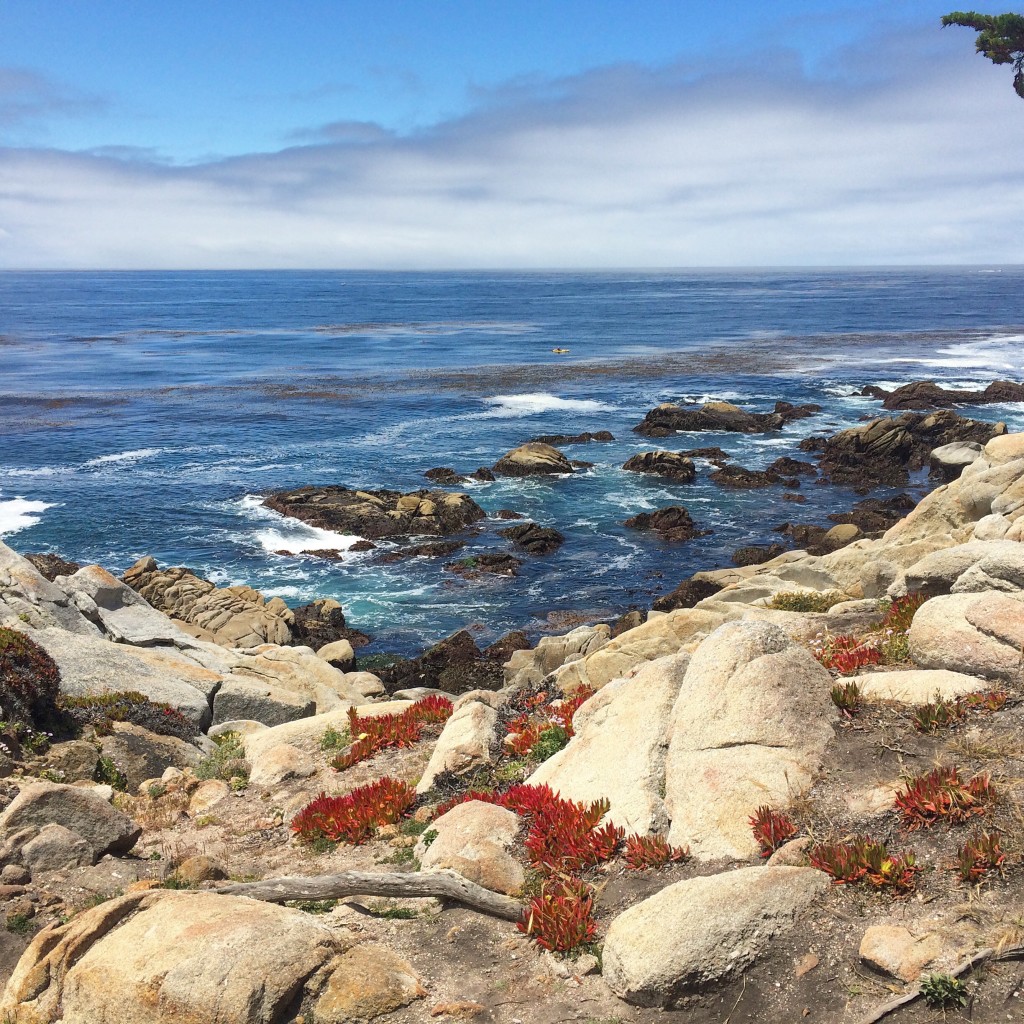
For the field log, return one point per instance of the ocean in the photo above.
(146, 413)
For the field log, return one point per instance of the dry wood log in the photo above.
(1013, 953)
(447, 885)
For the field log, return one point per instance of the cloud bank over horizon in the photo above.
(908, 149)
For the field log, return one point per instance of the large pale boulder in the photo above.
(529, 667)
(92, 665)
(160, 956)
(475, 839)
(749, 727)
(977, 634)
(28, 598)
(698, 932)
(123, 615)
(916, 686)
(659, 636)
(620, 746)
(260, 702)
(968, 568)
(467, 741)
(78, 808)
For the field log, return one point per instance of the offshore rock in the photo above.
(671, 465)
(672, 523)
(669, 418)
(927, 394)
(537, 540)
(884, 450)
(533, 459)
(378, 514)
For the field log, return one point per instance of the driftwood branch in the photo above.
(1013, 953)
(447, 885)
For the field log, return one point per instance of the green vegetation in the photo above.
(335, 739)
(227, 762)
(943, 992)
(1000, 38)
(314, 906)
(19, 924)
(550, 742)
(108, 772)
(102, 710)
(805, 601)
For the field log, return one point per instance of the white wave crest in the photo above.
(289, 535)
(135, 455)
(19, 514)
(511, 406)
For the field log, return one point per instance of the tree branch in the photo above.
(448, 885)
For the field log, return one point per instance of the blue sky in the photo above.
(455, 133)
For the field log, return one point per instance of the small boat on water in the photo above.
(560, 351)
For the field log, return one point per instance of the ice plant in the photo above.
(863, 859)
(900, 614)
(940, 714)
(845, 654)
(561, 917)
(642, 852)
(771, 829)
(355, 817)
(846, 697)
(940, 795)
(373, 733)
(978, 856)
(532, 733)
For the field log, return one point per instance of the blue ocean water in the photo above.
(145, 413)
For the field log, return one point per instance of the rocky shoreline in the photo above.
(769, 797)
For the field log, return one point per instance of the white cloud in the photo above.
(909, 152)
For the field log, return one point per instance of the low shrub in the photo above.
(227, 762)
(109, 773)
(771, 829)
(544, 726)
(863, 859)
(939, 795)
(354, 818)
(942, 713)
(29, 680)
(944, 992)
(101, 710)
(805, 600)
(900, 613)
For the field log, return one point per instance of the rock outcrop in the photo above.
(672, 523)
(669, 418)
(533, 459)
(926, 394)
(376, 515)
(672, 466)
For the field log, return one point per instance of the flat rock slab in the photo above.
(698, 932)
(898, 952)
(90, 665)
(916, 686)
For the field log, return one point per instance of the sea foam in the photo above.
(136, 455)
(19, 514)
(511, 406)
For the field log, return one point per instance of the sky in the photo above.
(398, 134)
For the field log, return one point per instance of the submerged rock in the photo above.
(585, 438)
(671, 523)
